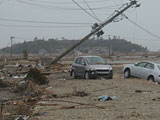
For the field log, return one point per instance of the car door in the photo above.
(76, 66)
(82, 67)
(138, 69)
(148, 70)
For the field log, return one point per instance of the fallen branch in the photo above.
(93, 105)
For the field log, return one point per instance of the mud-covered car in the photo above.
(90, 67)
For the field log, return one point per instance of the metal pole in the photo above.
(109, 47)
(93, 32)
(12, 37)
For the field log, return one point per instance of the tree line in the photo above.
(54, 45)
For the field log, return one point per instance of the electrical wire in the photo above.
(4, 25)
(135, 27)
(46, 22)
(62, 8)
(117, 9)
(91, 10)
(85, 11)
(96, 1)
(142, 28)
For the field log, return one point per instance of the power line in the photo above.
(4, 25)
(46, 22)
(94, 31)
(85, 11)
(144, 39)
(63, 8)
(125, 37)
(117, 10)
(91, 10)
(142, 28)
(135, 27)
(96, 1)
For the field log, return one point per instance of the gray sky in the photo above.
(65, 11)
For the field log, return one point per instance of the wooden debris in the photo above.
(35, 76)
(92, 105)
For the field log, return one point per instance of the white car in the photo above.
(145, 70)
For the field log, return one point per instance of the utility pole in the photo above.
(99, 27)
(12, 37)
(109, 47)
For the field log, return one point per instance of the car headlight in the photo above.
(110, 68)
(92, 69)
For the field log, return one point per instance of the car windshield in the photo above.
(95, 60)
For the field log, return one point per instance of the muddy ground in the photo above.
(136, 99)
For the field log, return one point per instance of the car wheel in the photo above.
(110, 77)
(151, 78)
(127, 73)
(86, 76)
(73, 74)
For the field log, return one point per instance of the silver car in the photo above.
(90, 67)
(145, 70)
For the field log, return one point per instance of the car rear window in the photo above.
(158, 67)
(150, 66)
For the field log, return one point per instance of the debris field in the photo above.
(34, 92)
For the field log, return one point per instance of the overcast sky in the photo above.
(65, 11)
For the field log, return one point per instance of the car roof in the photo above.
(149, 62)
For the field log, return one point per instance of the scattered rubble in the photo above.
(4, 84)
(26, 80)
(35, 76)
(142, 91)
(106, 98)
(13, 109)
(22, 118)
(80, 94)
(30, 82)
(156, 99)
(59, 68)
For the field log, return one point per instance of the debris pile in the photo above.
(36, 77)
(13, 109)
(14, 71)
(30, 84)
(26, 80)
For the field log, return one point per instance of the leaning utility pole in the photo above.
(99, 27)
